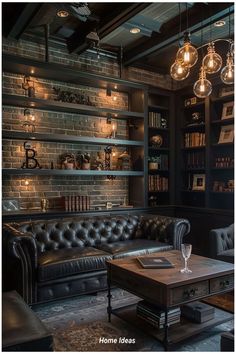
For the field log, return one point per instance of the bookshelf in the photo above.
(205, 150)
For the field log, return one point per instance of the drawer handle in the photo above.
(224, 284)
(190, 293)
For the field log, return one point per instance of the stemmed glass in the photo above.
(186, 249)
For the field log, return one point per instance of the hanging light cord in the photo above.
(180, 20)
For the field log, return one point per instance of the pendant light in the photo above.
(179, 71)
(202, 87)
(188, 53)
(212, 62)
(227, 73)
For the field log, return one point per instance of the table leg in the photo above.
(109, 308)
(166, 328)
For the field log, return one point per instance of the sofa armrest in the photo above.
(21, 253)
(166, 229)
(221, 239)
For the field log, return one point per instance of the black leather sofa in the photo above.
(222, 243)
(47, 260)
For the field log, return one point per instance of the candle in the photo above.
(113, 130)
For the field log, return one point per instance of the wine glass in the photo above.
(186, 249)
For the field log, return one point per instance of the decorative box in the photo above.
(198, 311)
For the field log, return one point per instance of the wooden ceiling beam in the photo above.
(124, 12)
(170, 30)
(22, 21)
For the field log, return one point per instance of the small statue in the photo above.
(30, 160)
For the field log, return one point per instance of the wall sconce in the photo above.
(28, 85)
(28, 124)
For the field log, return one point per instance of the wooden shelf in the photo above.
(222, 168)
(6, 134)
(158, 192)
(54, 172)
(222, 193)
(196, 127)
(151, 148)
(194, 169)
(198, 104)
(160, 129)
(223, 121)
(187, 191)
(38, 103)
(157, 171)
(157, 107)
(223, 98)
(54, 71)
(194, 148)
(222, 145)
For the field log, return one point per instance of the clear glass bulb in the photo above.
(212, 62)
(227, 73)
(202, 87)
(178, 71)
(187, 54)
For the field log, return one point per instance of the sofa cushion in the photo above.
(134, 247)
(69, 261)
(226, 256)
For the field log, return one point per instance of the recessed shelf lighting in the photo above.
(135, 30)
(62, 13)
(220, 23)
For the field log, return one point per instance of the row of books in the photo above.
(155, 120)
(77, 203)
(194, 139)
(155, 316)
(195, 159)
(157, 183)
(221, 162)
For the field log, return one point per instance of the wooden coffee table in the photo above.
(168, 288)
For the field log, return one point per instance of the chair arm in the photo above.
(21, 249)
(221, 240)
(166, 229)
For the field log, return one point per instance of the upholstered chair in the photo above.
(222, 244)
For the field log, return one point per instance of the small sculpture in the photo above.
(30, 160)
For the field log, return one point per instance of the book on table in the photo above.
(155, 262)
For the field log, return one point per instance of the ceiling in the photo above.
(161, 27)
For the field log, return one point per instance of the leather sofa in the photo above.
(222, 244)
(52, 259)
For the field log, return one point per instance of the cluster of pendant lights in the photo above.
(187, 57)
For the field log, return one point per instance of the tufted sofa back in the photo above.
(81, 232)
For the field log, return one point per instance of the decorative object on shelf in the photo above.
(156, 140)
(190, 101)
(187, 57)
(30, 160)
(226, 91)
(28, 124)
(226, 134)
(9, 205)
(28, 85)
(70, 97)
(153, 201)
(67, 161)
(107, 162)
(196, 119)
(228, 110)
(124, 161)
(83, 161)
(44, 205)
(98, 163)
(199, 182)
(154, 163)
(221, 186)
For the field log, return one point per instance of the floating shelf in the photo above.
(6, 134)
(54, 172)
(38, 103)
(54, 71)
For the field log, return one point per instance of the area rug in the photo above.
(80, 325)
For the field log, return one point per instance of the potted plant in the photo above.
(153, 162)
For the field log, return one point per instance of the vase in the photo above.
(153, 166)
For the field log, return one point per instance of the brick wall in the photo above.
(99, 188)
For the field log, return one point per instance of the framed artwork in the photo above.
(226, 134)
(10, 205)
(226, 91)
(199, 182)
(228, 110)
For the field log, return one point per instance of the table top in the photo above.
(202, 268)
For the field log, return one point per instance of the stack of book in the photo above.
(77, 203)
(194, 139)
(154, 120)
(157, 183)
(155, 316)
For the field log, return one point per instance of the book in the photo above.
(155, 262)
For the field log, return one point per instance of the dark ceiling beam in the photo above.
(170, 31)
(77, 42)
(23, 20)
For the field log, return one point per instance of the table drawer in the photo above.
(222, 283)
(188, 292)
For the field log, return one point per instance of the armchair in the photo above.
(222, 244)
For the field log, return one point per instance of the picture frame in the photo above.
(9, 205)
(226, 91)
(199, 182)
(226, 134)
(228, 110)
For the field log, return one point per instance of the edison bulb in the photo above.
(178, 71)
(227, 73)
(212, 62)
(188, 53)
(202, 87)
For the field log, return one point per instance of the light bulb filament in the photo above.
(186, 56)
(202, 87)
(179, 69)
